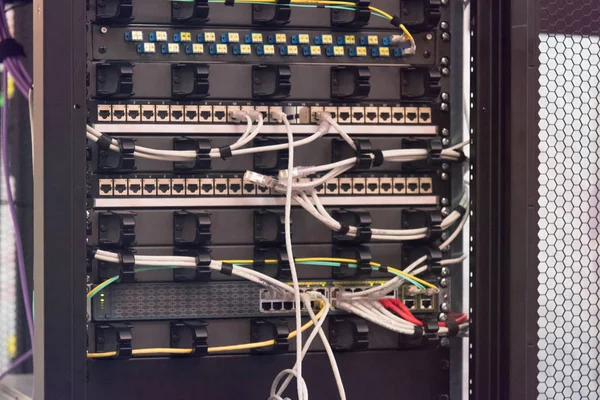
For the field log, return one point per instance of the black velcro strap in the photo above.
(91, 252)
(225, 152)
(283, 2)
(378, 154)
(383, 269)
(453, 328)
(344, 265)
(418, 331)
(431, 327)
(396, 21)
(104, 142)
(462, 211)
(227, 269)
(229, 3)
(10, 48)
(343, 229)
(258, 263)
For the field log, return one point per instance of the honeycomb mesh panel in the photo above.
(574, 17)
(569, 230)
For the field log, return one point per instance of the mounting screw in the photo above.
(442, 317)
(103, 228)
(445, 71)
(445, 271)
(445, 37)
(444, 25)
(444, 236)
(429, 37)
(445, 132)
(103, 29)
(444, 342)
(102, 49)
(426, 54)
(444, 284)
(445, 61)
(444, 107)
(445, 96)
(444, 307)
(445, 211)
(444, 2)
(444, 176)
(445, 141)
(87, 214)
(445, 201)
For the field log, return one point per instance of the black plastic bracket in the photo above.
(114, 79)
(277, 15)
(198, 332)
(271, 81)
(127, 262)
(202, 271)
(348, 333)
(269, 227)
(283, 263)
(364, 151)
(189, 12)
(356, 18)
(432, 220)
(359, 218)
(114, 11)
(116, 229)
(271, 161)
(123, 339)
(434, 149)
(434, 256)
(190, 80)
(124, 160)
(362, 255)
(191, 228)
(202, 148)
(270, 329)
(419, 83)
(422, 14)
(350, 83)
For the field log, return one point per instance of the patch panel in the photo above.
(191, 113)
(372, 186)
(205, 114)
(134, 186)
(425, 185)
(399, 186)
(412, 185)
(178, 186)
(162, 113)
(359, 186)
(149, 187)
(120, 187)
(163, 187)
(104, 112)
(412, 115)
(371, 115)
(385, 185)
(105, 187)
(219, 113)
(207, 187)
(133, 113)
(345, 185)
(192, 186)
(235, 186)
(398, 115)
(176, 113)
(424, 115)
(148, 113)
(358, 115)
(119, 112)
(220, 185)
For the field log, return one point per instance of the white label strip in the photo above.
(234, 129)
(231, 201)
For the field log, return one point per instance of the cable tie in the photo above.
(461, 210)
(227, 269)
(225, 152)
(10, 48)
(343, 229)
(462, 158)
(431, 327)
(104, 142)
(91, 252)
(293, 117)
(378, 154)
(258, 263)
(452, 326)
(418, 331)
(229, 3)
(396, 21)
(383, 269)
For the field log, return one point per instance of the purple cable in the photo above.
(24, 357)
(13, 210)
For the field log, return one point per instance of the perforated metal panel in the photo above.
(569, 230)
